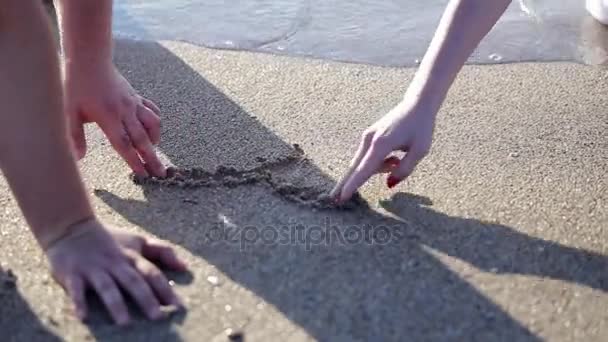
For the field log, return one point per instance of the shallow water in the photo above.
(384, 32)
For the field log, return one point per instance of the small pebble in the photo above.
(298, 148)
(213, 280)
(514, 154)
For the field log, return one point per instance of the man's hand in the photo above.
(98, 93)
(92, 256)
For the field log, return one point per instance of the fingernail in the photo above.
(392, 181)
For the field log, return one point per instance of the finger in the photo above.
(121, 141)
(143, 145)
(367, 168)
(389, 164)
(106, 289)
(151, 105)
(151, 123)
(405, 169)
(364, 144)
(74, 286)
(159, 282)
(161, 252)
(78, 138)
(133, 282)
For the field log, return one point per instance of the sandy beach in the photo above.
(500, 235)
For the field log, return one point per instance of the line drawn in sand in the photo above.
(231, 177)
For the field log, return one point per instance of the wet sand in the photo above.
(499, 235)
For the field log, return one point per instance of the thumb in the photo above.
(79, 141)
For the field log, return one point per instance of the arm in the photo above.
(36, 160)
(462, 27)
(96, 92)
(409, 126)
(34, 149)
(85, 28)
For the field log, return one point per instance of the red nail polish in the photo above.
(392, 181)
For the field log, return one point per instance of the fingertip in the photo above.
(122, 317)
(157, 314)
(175, 263)
(392, 181)
(179, 302)
(181, 265)
(158, 171)
(141, 172)
(344, 196)
(123, 321)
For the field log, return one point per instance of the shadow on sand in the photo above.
(386, 287)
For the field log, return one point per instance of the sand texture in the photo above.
(500, 235)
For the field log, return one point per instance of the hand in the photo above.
(99, 93)
(90, 255)
(407, 128)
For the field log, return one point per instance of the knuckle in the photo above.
(378, 140)
(368, 135)
(113, 107)
(123, 140)
(132, 277)
(154, 119)
(127, 102)
(106, 286)
(138, 137)
(154, 274)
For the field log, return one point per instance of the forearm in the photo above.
(34, 147)
(463, 25)
(86, 30)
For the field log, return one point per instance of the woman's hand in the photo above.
(407, 128)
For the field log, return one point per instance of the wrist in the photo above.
(85, 62)
(430, 99)
(53, 233)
